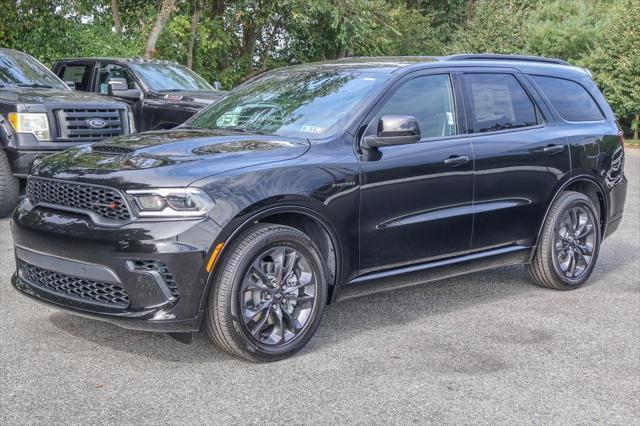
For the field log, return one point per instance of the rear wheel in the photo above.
(569, 245)
(9, 186)
(268, 295)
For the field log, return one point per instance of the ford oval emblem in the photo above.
(96, 123)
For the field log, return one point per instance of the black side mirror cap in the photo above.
(394, 130)
(126, 93)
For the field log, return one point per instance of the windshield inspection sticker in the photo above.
(312, 129)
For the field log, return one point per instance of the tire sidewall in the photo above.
(304, 245)
(575, 200)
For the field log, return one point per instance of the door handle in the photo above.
(456, 160)
(554, 149)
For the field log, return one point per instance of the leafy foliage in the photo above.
(235, 39)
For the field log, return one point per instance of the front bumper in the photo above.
(82, 263)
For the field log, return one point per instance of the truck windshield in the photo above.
(167, 77)
(307, 104)
(20, 69)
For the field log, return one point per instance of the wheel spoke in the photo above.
(279, 324)
(255, 331)
(573, 215)
(586, 249)
(572, 263)
(294, 288)
(279, 258)
(292, 261)
(304, 298)
(587, 229)
(250, 312)
(291, 320)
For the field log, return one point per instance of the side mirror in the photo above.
(394, 130)
(216, 85)
(119, 88)
(71, 84)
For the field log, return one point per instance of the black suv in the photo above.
(162, 94)
(39, 115)
(321, 182)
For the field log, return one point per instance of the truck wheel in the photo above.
(568, 247)
(9, 186)
(268, 294)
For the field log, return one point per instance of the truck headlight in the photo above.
(36, 123)
(171, 202)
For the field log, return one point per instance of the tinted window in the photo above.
(79, 74)
(429, 99)
(571, 100)
(498, 102)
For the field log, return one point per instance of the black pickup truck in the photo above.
(40, 115)
(161, 94)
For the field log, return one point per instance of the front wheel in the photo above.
(268, 294)
(569, 245)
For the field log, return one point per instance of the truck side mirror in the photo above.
(394, 130)
(119, 88)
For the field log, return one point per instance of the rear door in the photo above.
(520, 154)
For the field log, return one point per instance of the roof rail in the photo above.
(494, 56)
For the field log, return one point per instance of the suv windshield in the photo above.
(166, 77)
(301, 103)
(20, 69)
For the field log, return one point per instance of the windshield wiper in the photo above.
(45, 86)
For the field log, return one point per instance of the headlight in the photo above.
(36, 123)
(132, 124)
(171, 202)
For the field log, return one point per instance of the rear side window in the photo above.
(570, 99)
(498, 102)
(79, 74)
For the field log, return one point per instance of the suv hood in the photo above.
(168, 158)
(36, 95)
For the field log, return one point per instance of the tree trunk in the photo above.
(469, 13)
(117, 24)
(192, 34)
(636, 131)
(249, 40)
(167, 8)
(217, 8)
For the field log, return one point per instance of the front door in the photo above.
(417, 199)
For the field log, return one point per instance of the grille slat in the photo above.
(79, 288)
(73, 124)
(105, 202)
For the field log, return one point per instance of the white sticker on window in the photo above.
(450, 121)
(312, 129)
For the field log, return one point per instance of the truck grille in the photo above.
(75, 288)
(93, 124)
(106, 202)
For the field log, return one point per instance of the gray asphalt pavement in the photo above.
(485, 348)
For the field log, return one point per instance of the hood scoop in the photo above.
(111, 149)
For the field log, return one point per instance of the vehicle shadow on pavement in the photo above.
(342, 321)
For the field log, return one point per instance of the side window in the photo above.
(79, 74)
(113, 71)
(570, 99)
(498, 102)
(430, 100)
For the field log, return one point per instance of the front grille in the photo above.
(106, 202)
(92, 124)
(161, 268)
(76, 288)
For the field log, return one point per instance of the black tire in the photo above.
(226, 320)
(9, 187)
(546, 270)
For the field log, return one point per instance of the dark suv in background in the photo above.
(162, 94)
(39, 115)
(319, 182)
